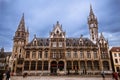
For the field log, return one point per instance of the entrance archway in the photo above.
(60, 65)
(53, 67)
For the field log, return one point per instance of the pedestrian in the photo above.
(115, 75)
(103, 75)
(8, 75)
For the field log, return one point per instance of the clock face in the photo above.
(92, 25)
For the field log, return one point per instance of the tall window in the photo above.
(104, 55)
(60, 54)
(26, 65)
(39, 65)
(89, 65)
(115, 54)
(46, 54)
(60, 44)
(54, 54)
(69, 65)
(68, 55)
(88, 54)
(81, 54)
(54, 44)
(27, 54)
(34, 54)
(116, 60)
(119, 54)
(33, 65)
(96, 65)
(75, 54)
(105, 65)
(40, 54)
(45, 65)
(95, 54)
(82, 65)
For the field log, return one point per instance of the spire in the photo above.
(21, 26)
(91, 10)
(101, 36)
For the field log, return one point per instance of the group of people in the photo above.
(115, 75)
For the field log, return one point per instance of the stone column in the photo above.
(65, 67)
(93, 65)
(36, 66)
(42, 66)
(78, 66)
(85, 66)
(49, 66)
(29, 66)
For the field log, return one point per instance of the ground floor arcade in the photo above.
(69, 66)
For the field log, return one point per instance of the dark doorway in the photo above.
(53, 67)
(61, 65)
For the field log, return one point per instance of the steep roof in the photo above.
(115, 49)
(69, 42)
(76, 41)
(40, 42)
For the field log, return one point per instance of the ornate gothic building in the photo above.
(60, 53)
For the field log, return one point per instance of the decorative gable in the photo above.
(57, 31)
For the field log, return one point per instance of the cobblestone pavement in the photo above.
(58, 78)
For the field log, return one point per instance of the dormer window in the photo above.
(57, 32)
(80, 42)
(35, 42)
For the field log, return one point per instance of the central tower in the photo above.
(93, 26)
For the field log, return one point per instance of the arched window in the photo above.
(39, 65)
(69, 65)
(96, 65)
(45, 65)
(26, 65)
(82, 65)
(89, 65)
(33, 65)
(105, 65)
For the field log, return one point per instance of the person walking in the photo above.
(8, 75)
(103, 75)
(115, 75)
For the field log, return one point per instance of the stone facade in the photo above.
(59, 53)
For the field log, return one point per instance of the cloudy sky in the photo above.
(40, 15)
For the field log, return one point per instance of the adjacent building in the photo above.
(60, 53)
(115, 58)
(4, 59)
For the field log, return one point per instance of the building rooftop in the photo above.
(115, 49)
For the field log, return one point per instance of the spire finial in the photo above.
(91, 10)
(57, 22)
(34, 35)
(23, 16)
